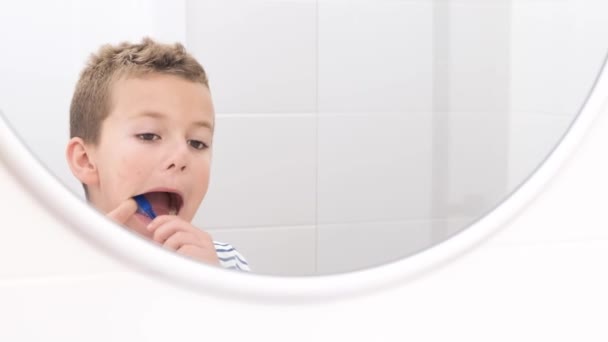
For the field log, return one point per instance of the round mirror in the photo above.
(348, 134)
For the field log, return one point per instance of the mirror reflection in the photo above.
(319, 137)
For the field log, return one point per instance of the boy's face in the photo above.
(156, 140)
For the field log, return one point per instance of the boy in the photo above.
(141, 123)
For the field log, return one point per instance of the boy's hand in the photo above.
(182, 237)
(123, 212)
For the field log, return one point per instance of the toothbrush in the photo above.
(144, 207)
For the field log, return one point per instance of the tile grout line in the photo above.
(317, 124)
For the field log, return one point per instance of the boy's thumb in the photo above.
(124, 211)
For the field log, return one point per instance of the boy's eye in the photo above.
(148, 136)
(199, 145)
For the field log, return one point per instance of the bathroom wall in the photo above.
(550, 41)
(348, 132)
(403, 121)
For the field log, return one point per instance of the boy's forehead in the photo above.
(162, 97)
(199, 122)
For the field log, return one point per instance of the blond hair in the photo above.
(91, 101)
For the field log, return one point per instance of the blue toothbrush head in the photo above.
(144, 207)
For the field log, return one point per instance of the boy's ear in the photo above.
(81, 163)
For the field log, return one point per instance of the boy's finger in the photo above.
(179, 239)
(124, 211)
(159, 221)
(163, 232)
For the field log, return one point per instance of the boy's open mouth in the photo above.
(165, 202)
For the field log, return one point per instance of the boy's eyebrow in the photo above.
(156, 115)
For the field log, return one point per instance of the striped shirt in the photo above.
(230, 258)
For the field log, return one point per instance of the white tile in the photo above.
(260, 55)
(281, 251)
(375, 56)
(556, 54)
(532, 138)
(95, 23)
(458, 224)
(472, 167)
(444, 229)
(355, 246)
(263, 172)
(476, 35)
(374, 167)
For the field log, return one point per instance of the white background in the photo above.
(349, 133)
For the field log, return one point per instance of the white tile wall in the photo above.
(373, 167)
(366, 72)
(471, 110)
(354, 246)
(478, 61)
(442, 229)
(284, 251)
(260, 58)
(476, 162)
(455, 225)
(263, 172)
(348, 247)
(553, 73)
(374, 56)
(532, 137)
(100, 22)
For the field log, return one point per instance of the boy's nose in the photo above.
(181, 167)
(177, 160)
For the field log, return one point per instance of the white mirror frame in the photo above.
(145, 256)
